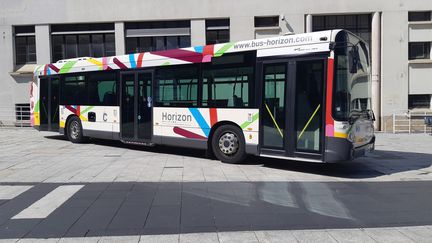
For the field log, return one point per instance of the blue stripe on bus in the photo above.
(200, 120)
(132, 60)
(199, 49)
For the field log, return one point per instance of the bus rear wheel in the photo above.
(74, 130)
(228, 144)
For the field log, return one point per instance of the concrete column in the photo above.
(242, 28)
(119, 32)
(43, 44)
(376, 68)
(309, 23)
(198, 32)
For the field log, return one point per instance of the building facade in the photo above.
(39, 32)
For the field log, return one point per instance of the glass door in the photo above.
(136, 106)
(144, 108)
(49, 104)
(44, 104)
(309, 105)
(128, 106)
(292, 107)
(54, 104)
(273, 107)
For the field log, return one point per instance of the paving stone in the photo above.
(387, 235)
(80, 239)
(306, 236)
(275, 236)
(350, 235)
(38, 240)
(417, 234)
(199, 237)
(115, 239)
(238, 237)
(159, 238)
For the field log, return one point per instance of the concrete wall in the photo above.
(394, 65)
(395, 29)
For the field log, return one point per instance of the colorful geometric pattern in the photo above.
(76, 109)
(198, 54)
(204, 125)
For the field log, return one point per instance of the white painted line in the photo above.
(9, 192)
(50, 202)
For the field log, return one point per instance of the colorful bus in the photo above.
(304, 97)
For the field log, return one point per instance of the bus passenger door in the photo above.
(49, 104)
(292, 108)
(136, 106)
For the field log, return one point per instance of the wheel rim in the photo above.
(228, 143)
(74, 130)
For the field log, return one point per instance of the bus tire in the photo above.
(228, 144)
(75, 130)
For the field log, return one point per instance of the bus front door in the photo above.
(292, 108)
(49, 104)
(136, 106)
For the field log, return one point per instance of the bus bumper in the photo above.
(364, 149)
(340, 149)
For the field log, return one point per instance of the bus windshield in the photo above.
(352, 81)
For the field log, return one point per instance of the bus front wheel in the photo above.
(228, 144)
(74, 130)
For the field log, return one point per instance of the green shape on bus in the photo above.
(67, 67)
(247, 123)
(87, 109)
(224, 48)
(36, 108)
(37, 69)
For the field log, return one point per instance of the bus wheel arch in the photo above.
(231, 134)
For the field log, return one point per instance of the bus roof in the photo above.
(296, 44)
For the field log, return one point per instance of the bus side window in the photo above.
(227, 80)
(177, 86)
(102, 89)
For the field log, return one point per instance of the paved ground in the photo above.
(107, 191)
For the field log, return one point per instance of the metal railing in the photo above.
(410, 121)
(18, 116)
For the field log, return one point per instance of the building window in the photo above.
(25, 45)
(419, 16)
(359, 24)
(22, 112)
(420, 101)
(217, 31)
(157, 36)
(92, 40)
(270, 21)
(419, 50)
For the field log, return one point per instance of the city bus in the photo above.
(303, 97)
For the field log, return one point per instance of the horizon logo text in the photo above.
(175, 117)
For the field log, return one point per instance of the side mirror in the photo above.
(352, 119)
(371, 115)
